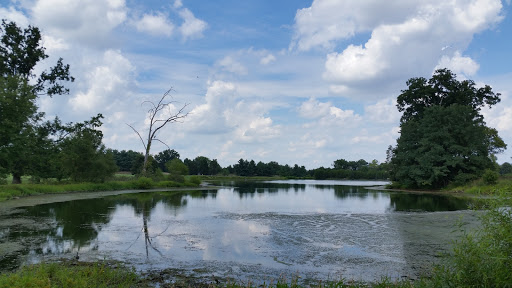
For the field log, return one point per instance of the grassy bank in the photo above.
(479, 187)
(103, 274)
(21, 190)
(72, 274)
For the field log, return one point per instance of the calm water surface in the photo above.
(248, 230)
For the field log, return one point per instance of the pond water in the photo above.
(246, 231)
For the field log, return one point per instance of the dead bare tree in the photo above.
(158, 120)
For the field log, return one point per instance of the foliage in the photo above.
(126, 160)
(490, 177)
(21, 190)
(443, 136)
(77, 275)
(165, 156)
(202, 165)
(83, 156)
(23, 138)
(481, 258)
(151, 169)
(443, 89)
(176, 178)
(195, 180)
(143, 183)
(360, 169)
(177, 167)
(506, 168)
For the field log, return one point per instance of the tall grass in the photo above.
(480, 187)
(21, 190)
(75, 275)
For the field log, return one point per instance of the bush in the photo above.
(482, 258)
(143, 183)
(490, 177)
(195, 180)
(176, 178)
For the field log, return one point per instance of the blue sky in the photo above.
(298, 82)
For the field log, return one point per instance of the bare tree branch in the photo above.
(162, 142)
(143, 144)
(156, 123)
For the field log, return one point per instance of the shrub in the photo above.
(143, 183)
(482, 258)
(195, 180)
(176, 178)
(490, 177)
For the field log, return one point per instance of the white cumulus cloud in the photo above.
(404, 36)
(104, 83)
(155, 24)
(192, 27)
(89, 21)
(459, 64)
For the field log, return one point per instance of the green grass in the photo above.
(71, 275)
(479, 187)
(100, 274)
(21, 190)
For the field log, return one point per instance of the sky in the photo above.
(293, 81)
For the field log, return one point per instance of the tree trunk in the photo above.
(146, 158)
(16, 179)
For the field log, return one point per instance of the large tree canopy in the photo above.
(28, 145)
(443, 136)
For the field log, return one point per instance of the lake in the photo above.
(245, 230)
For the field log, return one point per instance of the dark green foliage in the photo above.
(176, 167)
(202, 166)
(490, 177)
(176, 178)
(195, 180)
(151, 169)
(250, 168)
(165, 156)
(83, 157)
(25, 145)
(126, 160)
(143, 183)
(443, 136)
(482, 258)
(443, 89)
(506, 168)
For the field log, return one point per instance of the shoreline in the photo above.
(33, 200)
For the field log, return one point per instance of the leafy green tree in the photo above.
(20, 123)
(126, 160)
(165, 156)
(83, 156)
(443, 136)
(505, 168)
(177, 167)
(192, 166)
(214, 167)
(203, 165)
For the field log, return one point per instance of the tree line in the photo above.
(131, 161)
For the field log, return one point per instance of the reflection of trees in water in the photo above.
(423, 202)
(66, 227)
(250, 189)
(76, 222)
(343, 192)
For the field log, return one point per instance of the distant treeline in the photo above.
(131, 161)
